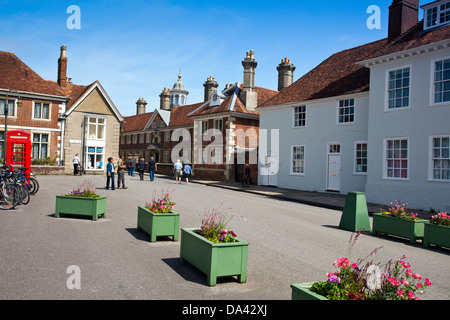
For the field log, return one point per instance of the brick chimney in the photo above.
(285, 74)
(210, 86)
(248, 94)
(165, 100)
(62, 68)
(140, 106)
(403, 14)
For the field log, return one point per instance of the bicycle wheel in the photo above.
(9, 196)
(24, 193)
(34, 185)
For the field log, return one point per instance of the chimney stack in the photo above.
(165, 100)
(403, 14)
(210, 86)
(285, 74)
(248, 94)
(62, 68)
(140, 106)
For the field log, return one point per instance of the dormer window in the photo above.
(217, 98)
(436, 14)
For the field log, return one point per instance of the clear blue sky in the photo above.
(136, 48)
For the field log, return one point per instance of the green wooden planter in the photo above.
(410, 229)
(436, 235)
(301, 292)
(93, 207)
(214, 259)
(161, 224)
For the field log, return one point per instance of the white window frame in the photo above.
(14, 109)
(431, 160)
(166, 156)
(166, 136)
(98, 126)
(355, 158)
(438, 23)
(95, 153)
(218, 124)
(291, 161)
(385, 167)
(386, 106)
(42, 107)
(338, 113)
(40, 133)
(135, 138)
(204, 126)
(305, 116)
(128, 139)
(433, 83)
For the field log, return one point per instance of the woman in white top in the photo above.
(76, 162)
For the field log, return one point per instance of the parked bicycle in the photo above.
(16, 187)
(10, 195)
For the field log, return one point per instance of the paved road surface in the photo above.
(289, 243)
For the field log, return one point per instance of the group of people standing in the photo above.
(130, 166)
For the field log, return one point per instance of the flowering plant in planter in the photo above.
(215, 228)
(162, 204)
(86, 189)
(398, 210)
(362, 280)
(441, 219)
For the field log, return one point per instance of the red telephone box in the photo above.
(18, 153)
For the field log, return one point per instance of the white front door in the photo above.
(273, 171)
(334, 172)
(269, 171)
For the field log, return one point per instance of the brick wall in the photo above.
(23, 117)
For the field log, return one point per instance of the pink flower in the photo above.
(417, 276)
(400, 293)
(411, 295)
(408, 272)
(392, 281)
(330, 274)
(427, 282)
(341, 262)
(354, 266)
(418, 285)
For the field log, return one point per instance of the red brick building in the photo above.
(62, 118)
(217, 136)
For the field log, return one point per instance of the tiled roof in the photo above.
(233, 103)
(18, 76)
(137, 122)
(340, 74)
(179, 115)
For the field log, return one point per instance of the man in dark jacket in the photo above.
(152, 168)
(141, 168)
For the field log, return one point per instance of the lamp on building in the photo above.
(6, 111)
(122, 127)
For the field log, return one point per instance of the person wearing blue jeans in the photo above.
(110, 174)
(152, 168)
